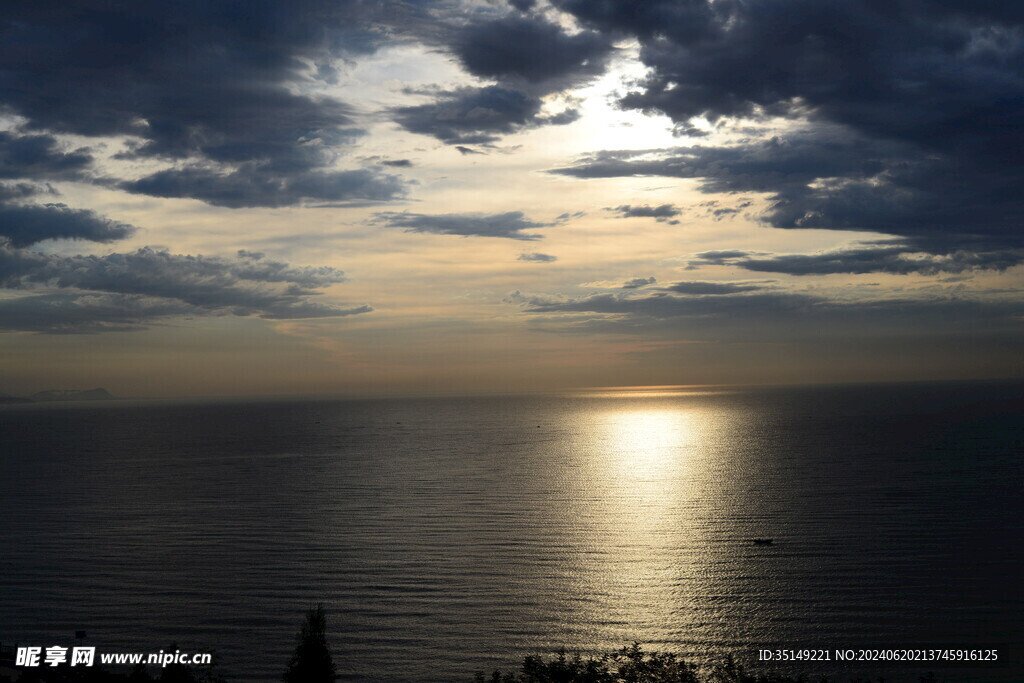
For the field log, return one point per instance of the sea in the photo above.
(445, 536)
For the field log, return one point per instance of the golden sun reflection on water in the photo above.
(648, 446)
(639, 482)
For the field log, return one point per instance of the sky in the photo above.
(403, 197)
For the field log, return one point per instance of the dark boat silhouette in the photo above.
(763, 541)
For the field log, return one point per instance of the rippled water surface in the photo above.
(446, 536)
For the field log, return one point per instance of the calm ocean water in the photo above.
(446, 536)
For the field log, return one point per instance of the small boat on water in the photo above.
(763, 541)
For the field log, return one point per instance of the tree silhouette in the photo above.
(311, 662)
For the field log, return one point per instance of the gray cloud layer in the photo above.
(39, 157)
(126, 290)
(473, 116)
(765, 317)
(531, 50)
(528, 57)
(26, 225)
(638, 282)
(663, 213)
(710, 288)
(511, 225)
(256, 185)
(85, 313)
(898, 259)
(537, 257)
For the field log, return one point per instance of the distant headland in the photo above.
(97, 394)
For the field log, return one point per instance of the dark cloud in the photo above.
(14, 191)
(522, 5)
(256, 185)
(537, 257)
(528, 57)
(180, 76)
(470, 115)
(785, 166)
(910, 110)
(661, 213)
(562, 118)
(397, 163)
(511, 225)
(464, 151)
(710, 288)
(717, 258)
(89, 313)
(563, 217)
(474, 116)
(25, 225)
(672, 20)
(870, 259)
(221, 93)
(530, 49)
(638, 282)
(718, 212)
(205, 83)
(819, 180)
(39, 157)
(136, 287)
(684, 129)
(906, 70)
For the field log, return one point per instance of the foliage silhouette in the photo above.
(628, 665)
(311, 662)
(633, 665)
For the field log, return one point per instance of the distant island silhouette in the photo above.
(97, 394)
